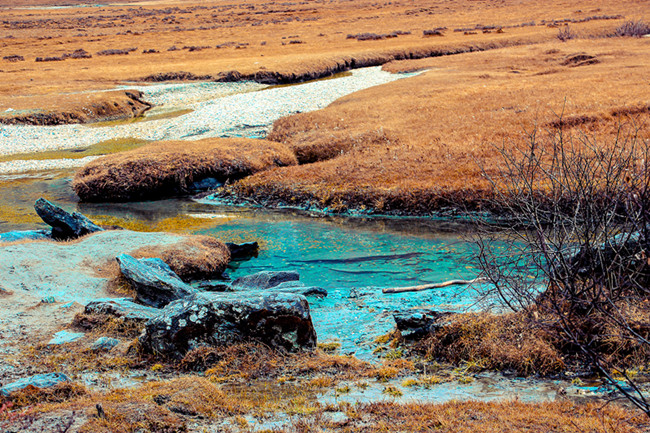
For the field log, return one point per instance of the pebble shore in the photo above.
(219, 110)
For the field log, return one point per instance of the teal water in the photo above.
(352, 257)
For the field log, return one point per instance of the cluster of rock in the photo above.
(179, 317)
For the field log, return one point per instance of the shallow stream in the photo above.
(351, 257)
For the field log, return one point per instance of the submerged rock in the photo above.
(244, 250)
(40, 381)
(265, 279)
(153, 280)
(26, 235)
(419, 323)
(123, 308)
(280, 320)
(300, 289)
(64, 225)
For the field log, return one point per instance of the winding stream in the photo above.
(351, 257)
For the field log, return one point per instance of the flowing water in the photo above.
(353, 258)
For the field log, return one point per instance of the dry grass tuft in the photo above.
(167, 168)
(31, 395)
(194, 257)
(133, 417)
(197, 257)
(495, 342)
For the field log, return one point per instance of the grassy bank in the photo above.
(170, 168)
(417, 145)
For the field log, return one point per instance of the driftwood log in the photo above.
(432, 286)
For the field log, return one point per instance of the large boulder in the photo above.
(39, 381)
(123, 308)
(153, 280)
(280, 320)
(65, 225)
(265, 279)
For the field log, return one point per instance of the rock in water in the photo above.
(243, 251)
(38, 381)
(123, 308)
(300, 289)
(64, 225)
(153, 280)
(280, 320)
(265, 279)
(419, 323)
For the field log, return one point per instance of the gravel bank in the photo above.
(219, 110)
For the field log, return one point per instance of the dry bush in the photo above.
(495, 342)
(565, 34)
(633, 29)
(166, 168)
(104, 324)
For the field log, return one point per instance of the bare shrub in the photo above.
(635, 29)
(565, 33)
(575, 255)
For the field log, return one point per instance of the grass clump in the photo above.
(197, 257)
(168, 168)
(494, 342)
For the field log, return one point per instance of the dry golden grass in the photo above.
(420, 144)
(168, 168)
(495, 342)
(64, 109)
(198, 257)
(255, 37)
(170, 406)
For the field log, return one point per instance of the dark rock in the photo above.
(153, 280)
(243, 251)
(265, 279)
(214, 286)
(104, 343)
(419, 323)
(30, 235)
(123, 308)
(38, 381)
(206, 184)
(280, 320)
(64, 225)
